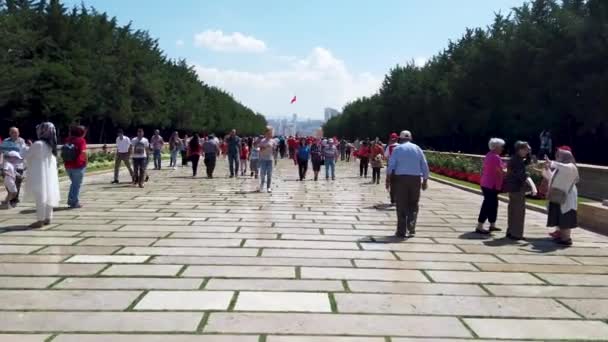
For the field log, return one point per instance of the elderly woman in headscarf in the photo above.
(42, 183)
(563, 176)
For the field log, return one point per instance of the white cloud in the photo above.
(217, 40)
(319, 80)
(179, 43)
(420, 61)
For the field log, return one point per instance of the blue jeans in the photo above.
(76, 177)
(157, 159)
(233, 163)
(173, 161)
(330, 164)
(265, 171)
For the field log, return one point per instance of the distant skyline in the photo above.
(326, 52)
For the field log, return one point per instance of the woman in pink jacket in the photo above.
(491, 184)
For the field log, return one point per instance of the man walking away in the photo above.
(211, 149)
(157, 146)
(123, 154)
(234, 151)
(405, 168)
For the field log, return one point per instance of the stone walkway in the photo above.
(210, 261)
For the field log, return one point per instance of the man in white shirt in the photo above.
(141, 150)
(123, 154)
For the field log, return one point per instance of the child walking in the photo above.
(11, 177)
(244, 157)
(254, 160)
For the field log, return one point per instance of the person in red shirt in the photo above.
(292, 145)
(364, 154)
(244, 157)
(74, 153)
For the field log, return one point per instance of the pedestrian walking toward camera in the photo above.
(407, 172)
(123, 155)
(234, 150)
(492, 176)
(14, 143)
(175, 146)
(74, 155)
(363, 154)
(254, 159)
(184, 150)
(157, 146)
(42, 184)
(563, 176)
(267, 147)
(303, 155)
(316, 158)
(211, 149)
(141, 153)
(330, 155)
(517, 182)
(244, 157)
(377, 161)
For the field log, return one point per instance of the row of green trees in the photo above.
(79, 65)
(543, 66)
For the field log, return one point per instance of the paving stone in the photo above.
(322, 339)
(84, 226)
(483, 277)
(23, 337)
(129, 283)
(415, 288)
(199, 242)
(126, 234)
(416, 265)
(451, 305)
(548, 291)
(26, 282)
(592, 260)
(544, 268)
(117, 242)
(450, 257)
(325, 253)
(111, 259)
(15, 249)
(539, 329)
(239, 235)
(240, 271)
(142, 270)
(589, 308)
(66, 300)
(301, 244)
(362, 274)
(27, 240)
(50, 269)
(185, 300)
(40, 233)
(30, 258)
(203, 251)
(49, 321)
(335, 324)
(533, 259)
(411, 247)
(153, 338)
(257, 261)
(283, 301)
(574, 279)
(78, 250)
(274, 285)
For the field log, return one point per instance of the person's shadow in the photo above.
(16, 228)
(538, 245)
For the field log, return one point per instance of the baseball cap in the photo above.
(394, 136)
(565, 148)
(405, 135)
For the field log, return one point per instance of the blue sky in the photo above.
(325, 52)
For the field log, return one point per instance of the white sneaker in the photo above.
(269, 190)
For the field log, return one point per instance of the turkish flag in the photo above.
(293, 100)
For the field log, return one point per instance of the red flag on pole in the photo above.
(293, 100)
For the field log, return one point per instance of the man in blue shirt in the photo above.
(234, 151)
(406, 166)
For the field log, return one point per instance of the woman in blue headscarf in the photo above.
(42, 182)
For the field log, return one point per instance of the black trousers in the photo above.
(376, 175)
(195, 158)
(210, 159)
(363, 166)
(302, 168)
(184, 158)
(489, 207)
(407, 194)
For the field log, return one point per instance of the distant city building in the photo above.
(292, 127)
(330, 113)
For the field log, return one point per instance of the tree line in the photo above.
(542, 66)
(79, 66)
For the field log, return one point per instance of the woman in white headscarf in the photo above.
(42, 182)
(563, 176)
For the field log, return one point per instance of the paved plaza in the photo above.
(197, 260)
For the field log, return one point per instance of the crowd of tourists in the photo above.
(407, 172)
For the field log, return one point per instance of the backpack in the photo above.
(68, 153)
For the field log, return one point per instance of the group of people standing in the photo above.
(514, 179)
